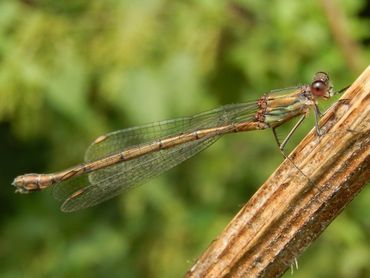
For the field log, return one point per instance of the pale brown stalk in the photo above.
(289, 211)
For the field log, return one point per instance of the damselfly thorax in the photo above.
(119, 160)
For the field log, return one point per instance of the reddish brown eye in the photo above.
(318, 88)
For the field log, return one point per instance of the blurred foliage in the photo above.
(73, 70)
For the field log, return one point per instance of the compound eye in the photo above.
(319, 89)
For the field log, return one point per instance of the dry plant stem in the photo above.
(288, 213)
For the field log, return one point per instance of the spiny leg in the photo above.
(285, 141)
(317, 118)
(287, 138)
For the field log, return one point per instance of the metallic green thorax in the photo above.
(280, 107)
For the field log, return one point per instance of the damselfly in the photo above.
(119, 160)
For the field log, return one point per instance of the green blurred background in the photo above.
(73, 70)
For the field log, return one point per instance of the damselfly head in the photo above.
(321, 86)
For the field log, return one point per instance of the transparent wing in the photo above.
(150, 165)
(285, 92)
(115, 142)
(106, 183)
